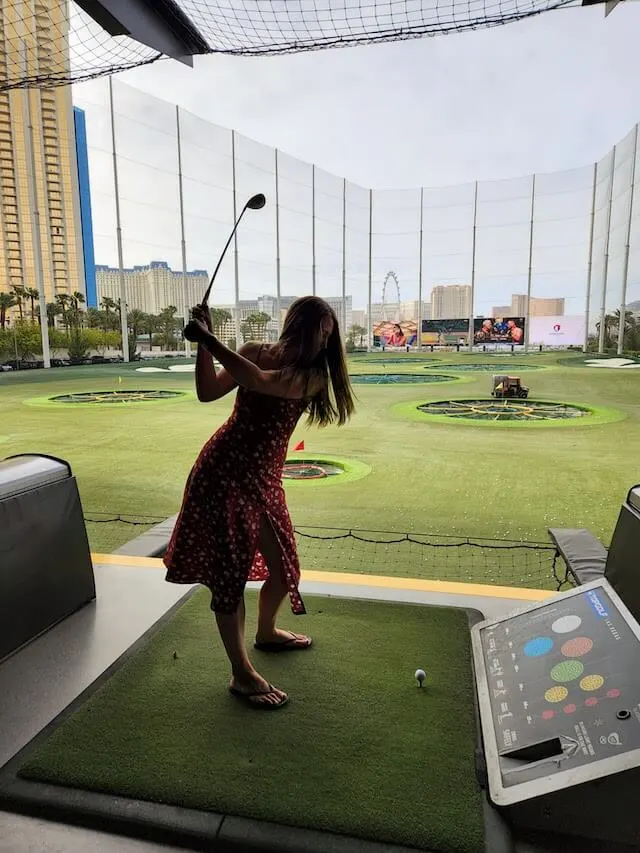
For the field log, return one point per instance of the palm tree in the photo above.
(150, 325)
(168, 323)
(254, 327)
(136, 323)
(219, 319)
(358, 332)
(77, 299)
(53, 310)
(32, 293)
(19, 293)
(7, 300)
(63, 301)
(108, 304)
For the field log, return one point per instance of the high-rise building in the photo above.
(153, 287)
(503, 311)
(451, 302)
(45, 118)
(538, 306)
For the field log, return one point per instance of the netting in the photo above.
(499, 562)
(66, 45)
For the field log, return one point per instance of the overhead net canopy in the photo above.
(65, 45)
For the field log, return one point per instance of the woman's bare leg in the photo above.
(273, 592)
(244, 676)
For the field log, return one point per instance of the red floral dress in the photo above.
(236, 480)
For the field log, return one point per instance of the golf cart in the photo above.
(505, 387)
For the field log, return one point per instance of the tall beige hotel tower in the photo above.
(38, 155)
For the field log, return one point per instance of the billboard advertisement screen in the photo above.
(392, 335)
(557, 331)
(499, 330)
(445, 332)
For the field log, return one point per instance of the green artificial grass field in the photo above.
(359, 749)
(460, 480)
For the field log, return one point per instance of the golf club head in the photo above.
(256, 202)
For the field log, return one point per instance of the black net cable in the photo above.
(502, 562)
(65, 45)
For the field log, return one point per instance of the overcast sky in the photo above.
(550, 93)
(547, 93)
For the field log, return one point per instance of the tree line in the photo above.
(80, 330)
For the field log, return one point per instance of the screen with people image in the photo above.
(498, 330)
(392, 335)
(448, 332)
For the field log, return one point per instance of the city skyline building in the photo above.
(41, 232)
(451, 302)
(152, 287)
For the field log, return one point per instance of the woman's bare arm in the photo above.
(211, 385)
(245, 372)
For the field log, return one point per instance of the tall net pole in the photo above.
(314, 272)
(236, 269)
(124, 328)
(420, 244)
(587, 303)
(278, 281)
(183, 242)
(625, 269)
(605, 272)
(527, 331)
(36, 234)
(473, 265)
(370, 282)
(344, 257)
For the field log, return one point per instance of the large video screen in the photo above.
(498, 330)
(557, 331)
(445, 332)
(392, 335)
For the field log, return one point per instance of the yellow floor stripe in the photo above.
(342, 578)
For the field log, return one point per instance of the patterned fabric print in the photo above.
(236, 480)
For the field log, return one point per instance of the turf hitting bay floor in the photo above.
(360, 749)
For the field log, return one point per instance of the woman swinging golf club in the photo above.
(234, 524)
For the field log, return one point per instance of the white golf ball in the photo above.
(420, 676)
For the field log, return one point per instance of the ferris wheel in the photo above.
(390, 305)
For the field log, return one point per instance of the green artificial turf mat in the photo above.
(359, 749)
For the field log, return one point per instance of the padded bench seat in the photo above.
(585, 557)
(152, 543)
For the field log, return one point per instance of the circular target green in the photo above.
(111, 398)
(509, 413)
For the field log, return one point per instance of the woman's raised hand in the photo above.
(202, 314)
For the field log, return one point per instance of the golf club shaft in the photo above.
(224, 251)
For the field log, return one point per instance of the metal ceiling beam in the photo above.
(160, 24)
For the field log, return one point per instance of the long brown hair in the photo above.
(323, 367)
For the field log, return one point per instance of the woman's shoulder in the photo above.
(265, 355)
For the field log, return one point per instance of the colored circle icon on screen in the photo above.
(568, 670)
(556, 694)
(591, 702)
(566, 624)
(548, 715)
(613, 693)
(591, 682)
(537, 647)
(569, 709)
(576, 647)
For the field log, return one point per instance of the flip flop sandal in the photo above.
(293, 644)
(263, 706)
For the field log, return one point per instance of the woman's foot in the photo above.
(253, 689)
(281, 641)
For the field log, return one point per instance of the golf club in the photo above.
(256, 202)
